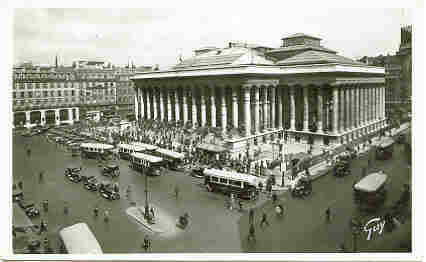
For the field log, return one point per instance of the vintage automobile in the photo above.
(342, 167)
(91, 183)
(111, 170)
(76, 178)
(72, 170)
(183, 221)
(303, 188)
(370, 192)
(29, 208)
(109, 192)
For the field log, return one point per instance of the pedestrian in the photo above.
(21, 185)
(369, 162)
(45, 205)
(251, 216)
(274, 198)
(66, 208)
(151, 210)
(96, 211)
(146, 243)
(328, 214)
(40, 176)
(264, 220)
(260, 186)
(106, 216)
(240, 205)
(251, 235)
(176, 192)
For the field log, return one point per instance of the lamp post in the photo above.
(145, 164)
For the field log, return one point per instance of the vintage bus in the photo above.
(242, 185)
(79, 239)
(95, 150)
(370, 191)
(148, 164)
(173, 159)
(125, 150)
(148, 148)
(384, 150)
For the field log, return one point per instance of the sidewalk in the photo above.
(323, 167)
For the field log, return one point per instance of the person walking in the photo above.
(40, 176)
(328, 214)
(45, 205)
(251, 216)
(21, 185)
(106, 216)
(146, 243)
(66, 208)
(251, 236)
(176, 192)
(264, 220)
(96, 211)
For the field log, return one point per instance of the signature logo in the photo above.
(374, 225)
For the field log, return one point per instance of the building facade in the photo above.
(302, 89)
(55, 95)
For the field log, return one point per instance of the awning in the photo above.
(212, 148)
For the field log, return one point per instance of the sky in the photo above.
(160, 36)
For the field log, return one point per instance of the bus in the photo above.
(147, 163)
(242, 185)
(384, 150)
(95, 150)
(148, 147)
(125, 150)
(173, 158)
(79, 239)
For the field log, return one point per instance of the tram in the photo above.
(95, 150)
(384, 150)
(125, 150)
(242, 185)
(173, 159)
(148, 164)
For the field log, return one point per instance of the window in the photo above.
(235, 183)
(45, 94)
(65, 92)
(37, 85)
(72, 93)
(22, 94)
(59, 93)
(214, 179)
(30, 94)
(223, 180)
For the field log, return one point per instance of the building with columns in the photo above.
(301, 89)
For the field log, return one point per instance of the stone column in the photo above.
(142, 99)
(342, 109)
(148, 104)
(177, 108)
(265, 108)
(353, 107)
(42, 117)
(357, 107)
(305, 109)
(203, 106)
(77, 114)
(273, 105)
(319, 110)
(292, 109)
(377, 102)
(70, 117)
(169, 95)
(162, 107)
(384, 102)
(280, 107)
(348, 109)
(363, 106)
(370, 104)
(194, 107)
(136, 106)
(235, 106)
(335, 110)
(223, 110)
(185, 95)
(213, 105)
(57, 117)
(247, 115)
(256, 109)
(154, 104)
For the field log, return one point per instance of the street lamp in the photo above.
(145, 165)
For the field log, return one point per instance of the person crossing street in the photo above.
(264, 220)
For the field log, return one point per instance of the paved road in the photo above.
(212, 228)
(304, 228)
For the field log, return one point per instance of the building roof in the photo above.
(316, 57)
(226, 56)
(301, 35)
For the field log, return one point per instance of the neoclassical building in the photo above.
(301, 89)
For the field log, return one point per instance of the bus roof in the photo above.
(132, 147)
(387, 142)
(231, 175)
(79, 239)
(97, 145)
(212, 148)
(371, 183)
(170, 153)
(20, 219)
(149, 158)
(147, 146)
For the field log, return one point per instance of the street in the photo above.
(212, 227)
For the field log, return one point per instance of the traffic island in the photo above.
(164, 224)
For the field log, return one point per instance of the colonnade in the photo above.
(328, 110)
